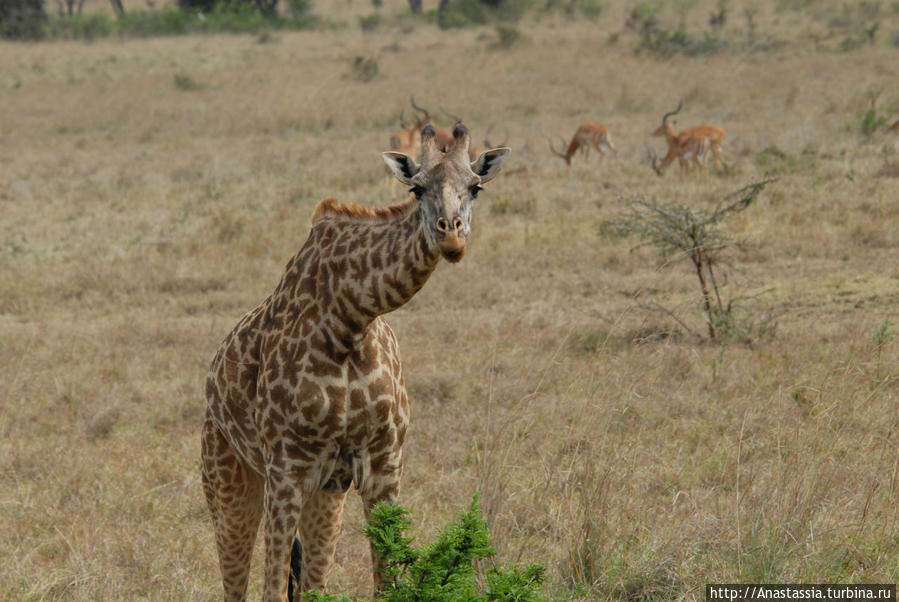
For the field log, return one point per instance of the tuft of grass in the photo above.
(507, 36)
(772, 160)
(365, 69)
(186, 83)
(526, 207)
(372, 22)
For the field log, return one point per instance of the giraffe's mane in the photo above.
(331, 207)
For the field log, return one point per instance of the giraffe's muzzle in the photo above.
(452, 243)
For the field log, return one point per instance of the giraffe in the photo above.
(305, 397)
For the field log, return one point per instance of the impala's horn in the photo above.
(674, 112)
(553, 148)
(418, 108)
(455, 118)
(488, 144)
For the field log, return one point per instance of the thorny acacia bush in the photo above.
(693, 233)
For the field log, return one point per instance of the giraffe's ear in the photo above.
(401, 165)
(489, 163)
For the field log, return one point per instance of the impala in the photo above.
(589, 134)
(407, 141)
(688, 145)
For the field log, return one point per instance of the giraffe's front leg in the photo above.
(319, 530)
(283, 503)
(383, 485)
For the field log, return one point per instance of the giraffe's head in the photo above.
(446, 185)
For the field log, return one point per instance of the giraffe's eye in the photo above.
(474, 190)
(417, 191)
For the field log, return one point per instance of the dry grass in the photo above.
(141, 217)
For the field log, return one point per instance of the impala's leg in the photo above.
(234, 496)
(319, 529)
(716, 150)
(283, 501)
(697, 160)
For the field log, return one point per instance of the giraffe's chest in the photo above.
(322, 419)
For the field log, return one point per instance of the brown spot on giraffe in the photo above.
(305, 396)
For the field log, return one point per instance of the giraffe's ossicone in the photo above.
(306, 396)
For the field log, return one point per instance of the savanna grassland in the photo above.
(152, 191)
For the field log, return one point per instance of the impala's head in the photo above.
(667, 127)
(446, 185)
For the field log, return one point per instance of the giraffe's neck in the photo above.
(356, 268)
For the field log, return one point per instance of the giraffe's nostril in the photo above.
(457, 223)
(442, 224)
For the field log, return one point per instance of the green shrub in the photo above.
(468, 13)
(508, 35)
(300, 9)
(205, 6)
(772, 160)
(371, 22)
(446, 569)
(186, 83)
(365, 69)
(870, 119)
(666, 44)
(22, 19)
(164, 22)
(80, 27)
(643, 10)
(462, 13)
(591, 9)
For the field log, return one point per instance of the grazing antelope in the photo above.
(690, 144)
(687, 149)
(407, 141)
(305, 396)
(444, 138)
(590, 134)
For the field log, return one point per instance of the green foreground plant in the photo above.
(449, 569)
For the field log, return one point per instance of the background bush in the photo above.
(22, 19)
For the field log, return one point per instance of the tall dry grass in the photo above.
(142, 216)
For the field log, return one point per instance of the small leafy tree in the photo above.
(692, 233)
(445, 570)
